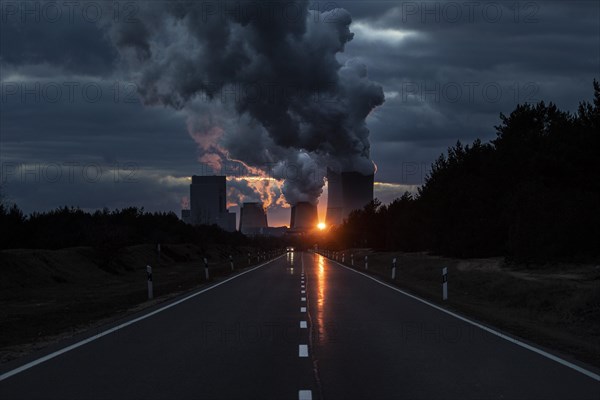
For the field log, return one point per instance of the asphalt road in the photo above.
(244, 339)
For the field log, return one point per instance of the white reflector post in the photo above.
(149, 276)
(394, 268)
(366, 262)
(445, 283)
(206, 268)
(231, 261)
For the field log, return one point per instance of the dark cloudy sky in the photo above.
(75, 132)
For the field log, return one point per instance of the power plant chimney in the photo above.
(335, 202)
(304, 216)
(357, 191)
(208, 203)
(347, 191)
(253, 219)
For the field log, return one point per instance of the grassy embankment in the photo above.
(555, 306)
(46, 295)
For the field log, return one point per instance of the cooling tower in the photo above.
(304, 216)
(252, 218)
(335, 204)
(346, 192)
(357, 191)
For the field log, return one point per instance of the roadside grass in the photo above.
(46, 295)
(557, 306)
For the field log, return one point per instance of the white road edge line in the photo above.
(123, 325)
(303, 324)
(485, 328)
(302, 350)
(304, 395)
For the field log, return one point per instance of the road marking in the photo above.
(485, 328)
(302, 298)
(123, 325)
(303, 324)
(302, 309)
(302, 350)
(304, 395)
(303, 291)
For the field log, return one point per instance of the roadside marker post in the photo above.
(249, 260)
(231, 261)
(366, 262)
(149, 277)
(394, 269)
(158, 251)
(445, 283)
(206, 268)
(352, 259)
(343, 257)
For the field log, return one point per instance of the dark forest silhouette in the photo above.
(532, 194)
(109, 230)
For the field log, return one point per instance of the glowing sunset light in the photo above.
(321, 226)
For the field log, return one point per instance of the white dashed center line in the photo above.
(302, 298)
(302, 309)
(303, 350)
(303, 324)
(304, 395)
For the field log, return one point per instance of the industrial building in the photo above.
(208, 203)
(347, 191)
(304, 216)
(252, 218)
(253, 221)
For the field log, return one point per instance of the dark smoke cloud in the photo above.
(280, 100)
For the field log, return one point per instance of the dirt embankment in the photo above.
(556, 306)
(46, 295)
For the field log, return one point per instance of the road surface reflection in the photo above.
(321, 295)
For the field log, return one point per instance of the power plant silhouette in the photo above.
(208, 203)
(304, 216)
(347, 191)
(253, 218)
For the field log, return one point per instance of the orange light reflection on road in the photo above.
(290, 260)
(321, 288)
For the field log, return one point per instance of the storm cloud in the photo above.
(418, 52)
(276, 66)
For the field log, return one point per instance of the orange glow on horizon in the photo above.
(321, 226)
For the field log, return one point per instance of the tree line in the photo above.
(105, 229)
(532, 194)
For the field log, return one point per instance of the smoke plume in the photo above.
(260, 83)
